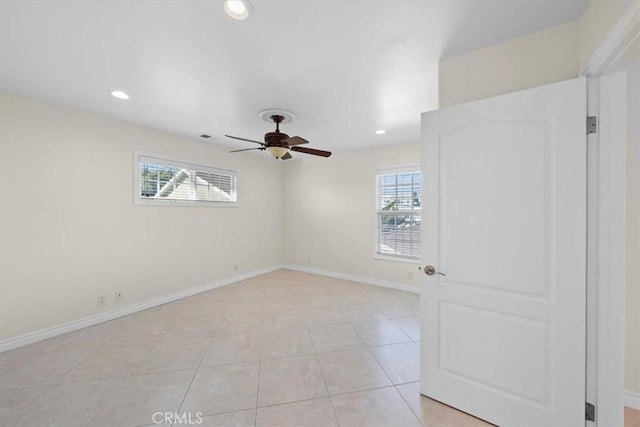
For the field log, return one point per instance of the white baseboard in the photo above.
(43, 334)
(632, 399)
(359, 279)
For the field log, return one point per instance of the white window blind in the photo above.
(173, 181)
(398, 210)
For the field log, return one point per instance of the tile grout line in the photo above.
(47, 388)
(314, 398)
(125, 379)
(264, 304)
(195, 373)
(381, 345)
(400, 327)
(380, 366)
(362, 391)
(324, 380)
(407, 403)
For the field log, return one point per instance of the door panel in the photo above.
(480, 204)
(504, 191)
(468, 353)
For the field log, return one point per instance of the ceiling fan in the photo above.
(279, 144)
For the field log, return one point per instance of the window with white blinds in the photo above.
(398, 210)
(164, 180)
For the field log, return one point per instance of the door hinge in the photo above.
(589, 411)
(592, 124)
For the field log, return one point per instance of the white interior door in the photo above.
(504, 217)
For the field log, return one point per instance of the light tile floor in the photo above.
(282, 349)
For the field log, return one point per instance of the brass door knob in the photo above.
(430, 270)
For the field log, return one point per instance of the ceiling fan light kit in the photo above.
(279, 144)
(277, 152)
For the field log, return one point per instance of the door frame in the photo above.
(605, 225)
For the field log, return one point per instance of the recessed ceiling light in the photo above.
(381, 132)
(237, 9)
(119, 94)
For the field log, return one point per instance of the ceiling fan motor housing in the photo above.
(274, 139)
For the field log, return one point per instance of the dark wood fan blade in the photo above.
(244, 139)
(286, 156)
(294, 140)
(247, 149)
(311, 151)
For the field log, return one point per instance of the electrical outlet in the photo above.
(410, 275)
(308, 260)
(235, 267)
(118, 296)
(101, 300)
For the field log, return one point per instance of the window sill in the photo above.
(397, 258)
(184, 204)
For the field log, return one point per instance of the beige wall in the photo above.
(535, 59)
(545, 57)
(71, 232)
(329, 207)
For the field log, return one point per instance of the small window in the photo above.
(398, 210)
(164, 180)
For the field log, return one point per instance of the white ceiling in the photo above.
(345, 68)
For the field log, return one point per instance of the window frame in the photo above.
(376, 212)
(172, 161)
